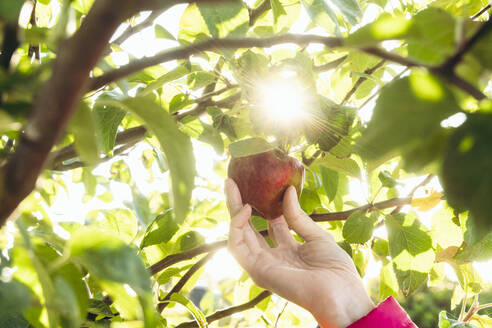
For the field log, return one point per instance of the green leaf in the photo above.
(200, 79)
(175, 74)
(482, 49)
(469, 278)
(141, 206)
(358, 228)
(108, 258)
(385, 27)
(321, 14)
(432, 46)
(386, 179)
(10, 9)
(67, 303)
(175, 145)
(410, 247)
(99, 307)
(478, 251)
(380, 247)
(388, 284)
(330, 182)
(15, 298)
(467, 169)
(161, 230)
(120, 172)
(407, 109)
(445, 232)
(278, 10)
(346, 166)
(161, 33)
(349, 8)
(84, 130)
(248, 147)
(195, 311)
(309, 200)
(189, 240)
(107, 119)
(202, 20)
(212, 136)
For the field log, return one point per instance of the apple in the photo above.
(263, 178)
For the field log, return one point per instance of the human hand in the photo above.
(317, 275)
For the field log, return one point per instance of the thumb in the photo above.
(298, 220)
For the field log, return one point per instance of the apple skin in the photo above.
(263, 178)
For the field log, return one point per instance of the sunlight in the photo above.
(284, 98)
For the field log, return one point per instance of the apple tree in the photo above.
(386, 103)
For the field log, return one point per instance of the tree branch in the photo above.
(465, 46)
(361, 80)
(183, 256)
(211, 44)
(229, 311)
(180, 284)
(256, 13)
(136, 134)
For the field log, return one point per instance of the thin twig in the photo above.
(229, 311)
(361, 80)
(310, 160)
(381, 88)
(131, 30)
(427, 179)
(483, 10)
(34, 49)
(280, 314)
(180, 284)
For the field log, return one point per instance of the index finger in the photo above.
(233, 196)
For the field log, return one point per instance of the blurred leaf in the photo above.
(10, 9)
(385, 27)
(478, 251)
(358, 228)
(309, 200)
(321, 14)
(202, 20)
(83, 127)
(482, 49)
(349, 8)
(141, 206)
(109, 258)
(386, 179)
(410, 247)
(189, 240)
(380, 247)
(248, 147)
(212, 136)
(197, 314)
(432, 46)
(120, 172)
(346, 166)
(161, 33)
(169, 273)
(466, 176)
(469, 278)
(388, 284)
(161, 230)
(99, 307)
(200, 79)
(427, 203)
(361, 261)
(175, 145)
(15, 298)
(407, 109)
(444, 232)
(278, 10)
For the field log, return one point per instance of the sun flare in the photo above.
(284, 98)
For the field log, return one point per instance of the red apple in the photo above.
(263, 178)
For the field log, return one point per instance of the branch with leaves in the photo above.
(229, 311)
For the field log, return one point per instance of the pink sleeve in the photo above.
(387, 314)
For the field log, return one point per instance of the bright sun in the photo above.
(284, 98)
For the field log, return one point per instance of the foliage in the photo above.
(132, 137)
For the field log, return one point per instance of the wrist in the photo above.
(343, 309)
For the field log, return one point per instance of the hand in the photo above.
(317, 275)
